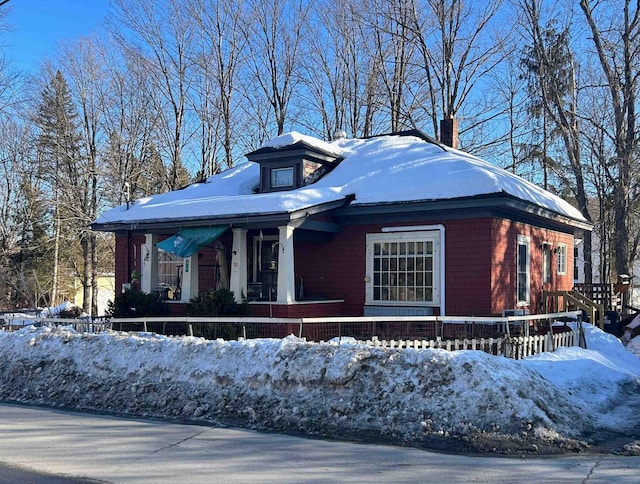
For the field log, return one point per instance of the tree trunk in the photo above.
(86, 274)
(56, 257)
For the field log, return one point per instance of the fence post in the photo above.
(300, 330)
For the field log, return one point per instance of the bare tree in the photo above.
(130, 122)
(159, 36)
(459, 45)
(550, 65)
(341, 74)
(81, 60)
(218, 66)
(615, 34)
(393, 48)
(275, 31)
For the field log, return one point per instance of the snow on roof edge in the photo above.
(293, 137)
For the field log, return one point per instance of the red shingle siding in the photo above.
(503, 272)
(480, 268)
(296, 310)
(207, 269)
(468, 266)
(335, 269)
(127, 258)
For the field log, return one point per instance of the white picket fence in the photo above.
(516, 347)
(425, 331)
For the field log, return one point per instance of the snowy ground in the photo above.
(568, 400)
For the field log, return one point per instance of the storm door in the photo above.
(264, 280)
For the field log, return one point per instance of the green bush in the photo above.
(216, 303)
(134, 304)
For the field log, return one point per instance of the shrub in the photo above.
(71, 313)
(216, 303)
(136, 304)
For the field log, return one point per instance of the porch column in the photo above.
(238, 282)
(286, 270)
(149, 276)
(190, 278)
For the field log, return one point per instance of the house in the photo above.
(396, 224)
(105, 293)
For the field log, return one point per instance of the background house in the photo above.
(395, 224)
(106, 291)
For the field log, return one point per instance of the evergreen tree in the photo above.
(60, 154)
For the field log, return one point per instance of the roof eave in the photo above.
(495, 202)
(254, 220)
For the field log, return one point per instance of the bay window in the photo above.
(403, 268)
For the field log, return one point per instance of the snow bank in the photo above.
(634, 346)
(414, 397)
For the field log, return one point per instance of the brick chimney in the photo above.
(449, 132)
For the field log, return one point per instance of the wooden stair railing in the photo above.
(594, 310)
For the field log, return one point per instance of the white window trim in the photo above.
(564, 248)
(547, 263)
(390, 235)
(524, 240)
(273, 176)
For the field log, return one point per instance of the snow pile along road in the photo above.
(463, 400)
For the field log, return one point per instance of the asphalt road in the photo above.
(42, 445)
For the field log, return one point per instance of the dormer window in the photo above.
(281, 177)
(294, 161)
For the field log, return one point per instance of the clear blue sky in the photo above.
(37, 26)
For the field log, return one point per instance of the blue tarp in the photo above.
(189, 241)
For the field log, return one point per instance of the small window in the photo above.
(576, 273)
(281, 177)
(523, 264)
(562, 259)
(546, 263)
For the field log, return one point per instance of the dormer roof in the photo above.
(294, 160)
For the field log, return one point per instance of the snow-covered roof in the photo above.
(384, 169)
(294, 137)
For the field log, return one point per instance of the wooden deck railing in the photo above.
(606, 295)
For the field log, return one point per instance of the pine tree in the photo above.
(59, 144)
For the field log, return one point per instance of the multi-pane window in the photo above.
(562, 259)
(523, 264)
(403, 268)
(170, 269)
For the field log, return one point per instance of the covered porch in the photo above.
(261, 260)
